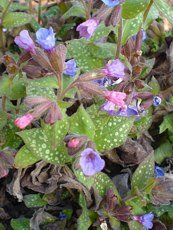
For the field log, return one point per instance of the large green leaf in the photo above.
(34, 201)
(102, 31)
(143, 173)
(77, 10)
(81, 123)
(80, 50)
(45, 143)
(104, 50)
(24, 158)
(165, 9)
(131, 27)
(167, 124)
(163, 151)
(20, 224)
(131, 8)
(111, 132)
(133, 225)
(16, 19)
(4, 4)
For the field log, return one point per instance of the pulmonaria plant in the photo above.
(91, 162)
(70, 68)
(25, 41)
(87, 28)
(46, 38)
(111, 3)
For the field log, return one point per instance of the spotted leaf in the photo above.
(165, 9)
(102, 31)
(133, 225)
(131, 8)
(20, 224)
(111, 132)
(131, 27)
(87, 181)
(37, 141)
(80, 50)
(24, 158)
(35, 88)
(34, 201)
(16, 19)
(143, 173)
(81, 123)
(102, 183)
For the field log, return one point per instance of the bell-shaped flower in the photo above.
(87, 28)
(117, 98)
(46, 38)
(91, 162)
(70, 68)
(23, 121)
(25, 41)
(145, 220)
(111, 3)
(114, 69)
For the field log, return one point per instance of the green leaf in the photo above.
(36, 89)
(16, 19)
(38, 141)
(111, 132)
(34, 201)
(20, 224)
(152, 15)
(9, 135)
(48, 81)
(2, 226)
(165, 9)
(149, 63)
(4, 4)
(84, 221)
(131, 27)
(87, 181)
(143, 173)
(102, 31)
(131, 8)
(12, 88)
(77, 10)
(18, 7)
(3, 119)
(163, 151)
(81, 52)
(133, 225)
(24, 158)
(155, 87)
(81, 123)
(115, 224)
(103, 50)
(143, 123)
(102, 183)
(167, 124)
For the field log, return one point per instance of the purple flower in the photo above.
(114, 69)
(25, 41)
(111, 3)
(158, 172)
(145, 220)
(87, 28)
(46, 38)
(91, 162)
(70, 68)
(156, 101)
(108, 107)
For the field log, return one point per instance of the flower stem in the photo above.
(120, 32)
(39, 11)
(147, 11)
(3, 102)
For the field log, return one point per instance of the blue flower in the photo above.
(158, 172)
(62, 216)
(70, 68)
(145, 220)
(156, 101)
(111, 3)
(46, 38)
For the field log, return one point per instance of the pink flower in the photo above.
(87, 28)
(25, 120)
(73, 143)
(25, 41)
(114, 69)
(117, 98)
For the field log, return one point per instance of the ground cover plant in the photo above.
(86, 116)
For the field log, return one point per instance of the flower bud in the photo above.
(25, 120)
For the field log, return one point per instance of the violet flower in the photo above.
(46, 38)
(87, 28)
(23, 121)
(91, 162)
(156, 101)
(145, 220)
(25, 41)
(111, 3)
(70, 68)
(114, 69)
(158, 172)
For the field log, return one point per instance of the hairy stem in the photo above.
(120, 31)
(39, 11)
(147, 11)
